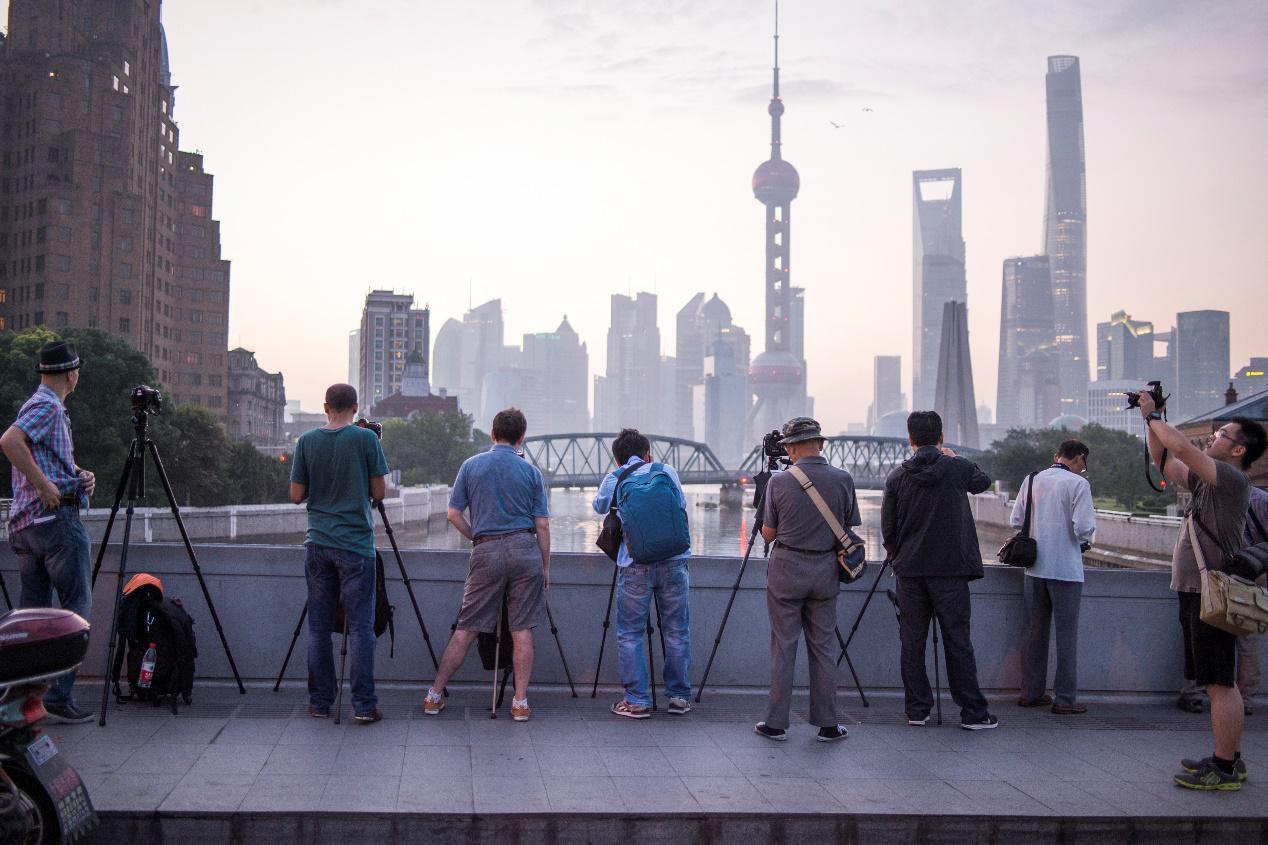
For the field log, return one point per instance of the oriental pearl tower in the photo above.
(777, 377)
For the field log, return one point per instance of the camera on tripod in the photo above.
(1155, 391)
(146, 400)
(772, 447)
(376, 427)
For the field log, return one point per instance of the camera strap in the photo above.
(826, 512)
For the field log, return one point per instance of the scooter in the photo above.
(43, 801)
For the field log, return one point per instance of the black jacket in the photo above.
(926, 523)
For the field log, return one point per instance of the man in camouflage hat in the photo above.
(801, 578)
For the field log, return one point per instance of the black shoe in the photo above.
(1069, 709)
(67, 714)
(1208, 778)
(832, 734)
(369, 718)
(777, 734)
(1042, 701)
(318, 712)
(1195, 766)
(986, 724)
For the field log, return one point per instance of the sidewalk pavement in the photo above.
(260, 753)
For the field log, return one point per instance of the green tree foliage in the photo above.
(1116, 465)
(204, 467)
(429, 447)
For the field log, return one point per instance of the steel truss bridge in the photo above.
(583, 459)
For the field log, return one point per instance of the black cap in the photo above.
(58, 356)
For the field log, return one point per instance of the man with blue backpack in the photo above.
(648, 500)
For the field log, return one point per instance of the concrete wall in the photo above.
(1129, 636)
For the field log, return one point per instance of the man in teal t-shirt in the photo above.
(339, 469)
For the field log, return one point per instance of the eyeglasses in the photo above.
(1222, 433)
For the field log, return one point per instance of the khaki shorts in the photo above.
(511, 566)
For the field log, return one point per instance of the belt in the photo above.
(69, 501)
(484, 538)
(784, 545)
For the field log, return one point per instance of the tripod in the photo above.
(409, 588)
(132, 480)
(651, 656)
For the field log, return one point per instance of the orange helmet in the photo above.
(142, 579)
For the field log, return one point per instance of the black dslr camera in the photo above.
(772, 447)
(146, 400)
(1155, 390)
(376, 427)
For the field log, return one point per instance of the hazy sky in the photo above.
(552, 153)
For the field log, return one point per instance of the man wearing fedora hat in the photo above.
(47, 537)
(801, 578)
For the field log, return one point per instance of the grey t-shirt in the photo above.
(797, 522)
(1222, 509)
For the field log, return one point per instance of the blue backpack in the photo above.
(653, 518)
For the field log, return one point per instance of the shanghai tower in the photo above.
(777, 377)
(1065, 229)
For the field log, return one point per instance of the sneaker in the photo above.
(1041, 701)
(1191, 703)
(630, 711)
(1069, 709)
(1194, 766)
(832, 734)
(986, 724)
(918, 723)
(433, 703)
(777, 734)
(67, 714)
(681, 707)
(318, 712)
(369, 718)
(520, 711)
(1209, 778)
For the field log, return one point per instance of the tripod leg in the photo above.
(343, 663)
(651, 658)
(497, 653)
(506, 676)
(299, 626)
(850, 665)
(937, 677)
(858, 619)
(133, 451)
(114, 613)
(409, 588)
(603, 640)
(562, 658)
(193, 559)
(735, 588)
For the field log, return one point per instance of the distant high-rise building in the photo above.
(629, 395)
(777, 377)
(1065, 228)
(1124, 349)
(887, 387)
(102, 225)
(726, 395)
(1252, 378)
(1107, 405)
(954, 398)
(391, 328)
(257, 401)
(354, 359)
(1025, 327)
(557, 366)
(480, 357)
(937, 271)
(446, 358)
(1200, 350)
(699, 322)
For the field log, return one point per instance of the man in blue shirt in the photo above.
(509, 524)
(338, 469)
(637, 583)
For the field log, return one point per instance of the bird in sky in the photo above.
(836, 125)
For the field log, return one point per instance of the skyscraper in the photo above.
(1065, 228)
(1025, 328)
(1124, 349)
(937, 270)
(699, 322)
(1201, 354)
(1252, 378)
(628, 396)
(480, 357)
(102, 225)
(954, 397)
(777, 377)
(558, 365)
(887, 387)
(726, 395)
(391, 328)
(446, 357)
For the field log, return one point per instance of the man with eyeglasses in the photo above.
(1217, 480)
(1062, 523)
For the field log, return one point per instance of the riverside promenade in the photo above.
(256, 769)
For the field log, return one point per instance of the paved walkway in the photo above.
(259, 753)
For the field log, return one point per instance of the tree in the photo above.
(429, 447)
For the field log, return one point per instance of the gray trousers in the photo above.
(1050, 602)
(801, 597)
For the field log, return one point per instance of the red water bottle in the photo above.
(146, 676)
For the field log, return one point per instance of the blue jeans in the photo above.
(637, 583)
(53, 557)
(334, 573)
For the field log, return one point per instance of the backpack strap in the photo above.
(817, 498)
(621, 477)
(1030, 501)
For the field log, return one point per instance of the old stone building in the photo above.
(257, 401)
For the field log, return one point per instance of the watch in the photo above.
(1153, 415)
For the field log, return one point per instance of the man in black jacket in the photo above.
(932, 544)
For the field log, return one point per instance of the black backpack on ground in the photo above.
(147, 618)
(384, 611)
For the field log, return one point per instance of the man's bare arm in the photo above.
(299, 492)
(542, 525)
(458, 521)
(378, 488)
(17, 449)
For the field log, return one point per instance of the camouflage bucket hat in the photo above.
(799, 429)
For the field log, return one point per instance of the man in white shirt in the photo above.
(1062, 523)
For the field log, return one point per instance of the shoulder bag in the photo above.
(1021, 549)
(851, 550)
(1229, 603)
(611, 534)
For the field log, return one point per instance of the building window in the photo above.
(61, 320)
(125, 296)
(125, 325)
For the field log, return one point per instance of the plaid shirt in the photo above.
(44, 421)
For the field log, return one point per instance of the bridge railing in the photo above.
(869, 459)
(582, 459)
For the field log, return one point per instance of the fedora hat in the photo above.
(799, 429)
(58, 356)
